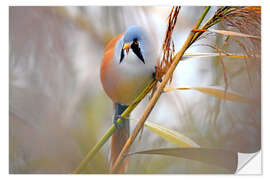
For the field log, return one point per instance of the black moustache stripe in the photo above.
(122, 56)
(135, 48)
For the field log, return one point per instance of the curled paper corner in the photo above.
(249, 163)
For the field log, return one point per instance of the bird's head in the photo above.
(137, 41)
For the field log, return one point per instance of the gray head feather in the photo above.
(139, 34)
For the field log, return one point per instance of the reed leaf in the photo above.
(218, 157)
(232, 33)
(170, 135)
(214, 91)
(187, 56)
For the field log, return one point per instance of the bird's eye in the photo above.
(136, 43)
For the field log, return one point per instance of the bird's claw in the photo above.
(117, 125)
(154, 73)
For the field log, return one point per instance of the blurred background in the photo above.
(58, 109)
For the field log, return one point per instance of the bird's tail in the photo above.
(119, 138)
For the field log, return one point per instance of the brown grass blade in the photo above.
(213, 91)
(170, 135)
(219, 157)
(209, 55)
(232, 33)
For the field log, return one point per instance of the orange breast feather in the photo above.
(105, 66)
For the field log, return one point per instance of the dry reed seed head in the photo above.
(167, 46)
(219, 15)
(216, 18)
(246, 20)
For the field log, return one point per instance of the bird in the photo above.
(128, 65)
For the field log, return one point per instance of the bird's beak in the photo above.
(126, 47)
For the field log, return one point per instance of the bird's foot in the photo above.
(117, 125)
(154, 75)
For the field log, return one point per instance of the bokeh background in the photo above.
(58, 109)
